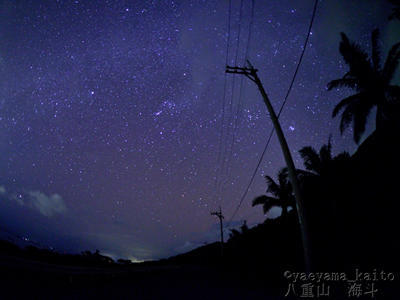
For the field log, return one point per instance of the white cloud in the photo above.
(47, 205)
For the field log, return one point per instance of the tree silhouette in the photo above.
(234, 233)
(244, 228)
(281, 191)
(320, 163)
(372, 82)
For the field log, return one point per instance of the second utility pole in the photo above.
(220, 217)
(251, 73)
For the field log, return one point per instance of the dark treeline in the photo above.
(86, 258)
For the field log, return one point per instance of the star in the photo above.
(126, 111)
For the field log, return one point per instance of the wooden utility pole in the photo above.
(220, 217)
(251, 73)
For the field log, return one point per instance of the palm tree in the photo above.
(370, 80)
(320, 163)
(281, 191)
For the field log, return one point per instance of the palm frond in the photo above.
(303, 173)
(391, 63)
(310, 158)
(325, 153)
(285, 184)
(343, 82)
(347, 117)
(345, 102)
(273, 187)
(267, 202)
(376, 51)
(347, 76)
(360, 119)
(342, 156)
(355, 58)
(260, 200)
(283, 176)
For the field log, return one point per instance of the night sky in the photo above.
(111, 111)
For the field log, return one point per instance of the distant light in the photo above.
(136, 260)
(291, 128)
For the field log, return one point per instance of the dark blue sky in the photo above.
(110, 113)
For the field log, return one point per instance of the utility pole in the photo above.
(220, 217)
(251, 73)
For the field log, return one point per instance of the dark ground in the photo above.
(26, 279)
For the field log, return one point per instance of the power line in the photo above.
(235, 124)
(239, 106)
(279, 113)
(218, 171)
(252, 178)
(250, 29)
(226, 154)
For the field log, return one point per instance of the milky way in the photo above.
(111, 111)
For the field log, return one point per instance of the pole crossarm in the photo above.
(218, 214)
(250, 73)
(242, 69)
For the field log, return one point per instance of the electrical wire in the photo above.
(218, 171)
(225, 162)
(239, 106)
(279, 113)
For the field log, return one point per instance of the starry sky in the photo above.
(111, 113)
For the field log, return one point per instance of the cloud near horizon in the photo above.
(47, 205)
